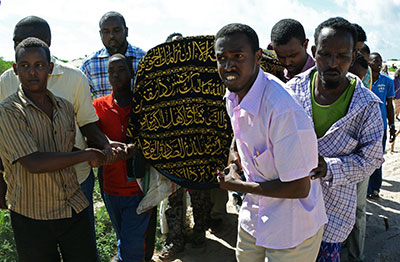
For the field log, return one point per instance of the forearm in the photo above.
(94, 135)
(40, 162)
(390, 111)
(294, 189)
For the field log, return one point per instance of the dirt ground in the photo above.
(382, 242)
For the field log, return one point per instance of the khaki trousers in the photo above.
(248, 251)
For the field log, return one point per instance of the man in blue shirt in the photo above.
(383, 87)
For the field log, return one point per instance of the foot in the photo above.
(169, 251)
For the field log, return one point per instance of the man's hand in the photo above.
(320, 170)
(3, 191)
(232, 181)
(234, 157)
(121, 153)
(97, 157)
(392, 134)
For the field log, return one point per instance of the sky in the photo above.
(75, 24)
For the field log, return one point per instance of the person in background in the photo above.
(290, 44)
(367, 81)
(345, 120)
(396, 82)
(113, 33)
(383, 87)
(356, 240)
(121, 196)
(277, 148)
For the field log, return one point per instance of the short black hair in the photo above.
(361, 36)
(111, 14)
(360, 59)
(40, 26)
(236, 28)
(365, 49)
(171, 36)
(375, 54)
(337, 23)
(127, 60)
(32, 42)
(283, 31)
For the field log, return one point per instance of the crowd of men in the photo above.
(310, 145)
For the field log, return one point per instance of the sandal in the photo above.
(169, 251)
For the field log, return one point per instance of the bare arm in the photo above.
(275, 188)
(40, 162)
(3, 188)
(94, 135)
(390, 117)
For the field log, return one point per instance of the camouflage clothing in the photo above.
(201, 205)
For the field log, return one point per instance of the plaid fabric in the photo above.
(352, 149)
(329, 252)
(95, 69)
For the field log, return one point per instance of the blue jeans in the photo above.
(87, 189)
(129, 227)
(375, 180)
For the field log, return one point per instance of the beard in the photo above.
(330, 84)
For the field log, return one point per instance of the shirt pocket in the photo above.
(265, 166)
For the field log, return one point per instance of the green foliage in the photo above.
(106, 239)
(8, 250)
(4, 65)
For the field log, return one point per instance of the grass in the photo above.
(106, 239)
(8, 250)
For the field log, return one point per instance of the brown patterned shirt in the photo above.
(26, 129)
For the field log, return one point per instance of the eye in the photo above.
(220, 58)
(239, 56)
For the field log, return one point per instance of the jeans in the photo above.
(129, 227)
(40, 240)
(375, 180)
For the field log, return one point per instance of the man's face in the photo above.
(237, 62)
(358, 70)
(33, 69)
(113, 35)
(333, 56)
(292, 55)
(375, 62)
(24, 32)
(119, 75)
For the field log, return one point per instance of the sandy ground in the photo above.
(382, 242)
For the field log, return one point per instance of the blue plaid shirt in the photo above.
(95, 69)
(352, 148)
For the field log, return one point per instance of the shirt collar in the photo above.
(252, 100)
(104, 52)
(57, 69)
(26, 101)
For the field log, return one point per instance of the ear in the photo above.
(305, 44)
(258, 55)
(51, 66)
(313, 50)
(15, 68)
(126, 30)
(354, 56)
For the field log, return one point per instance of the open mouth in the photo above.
(231, 77)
